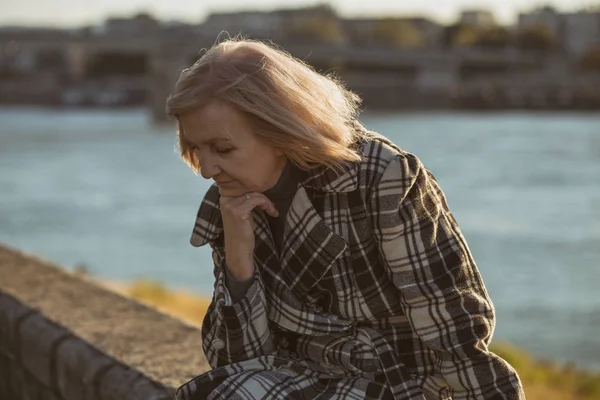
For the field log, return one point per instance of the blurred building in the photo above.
(141, 23)
(16, 58)
(377, 31)
(394, 62)
(277, 25)
(581, 32)
(545, 16)
(575, 32)
(477, 18)
(256, 23)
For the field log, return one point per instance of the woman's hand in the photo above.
(236, 213)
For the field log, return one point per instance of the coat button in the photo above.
(218, 344)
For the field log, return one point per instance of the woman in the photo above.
(340, 272)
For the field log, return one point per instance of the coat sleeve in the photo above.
(235, 332)
(441, 290)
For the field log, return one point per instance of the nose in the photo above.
(208, 165)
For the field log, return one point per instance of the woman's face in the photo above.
(228, 151)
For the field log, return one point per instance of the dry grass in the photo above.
(545, 380)
(184, 305)
(542, 380)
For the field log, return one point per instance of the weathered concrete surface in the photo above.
(80, 341)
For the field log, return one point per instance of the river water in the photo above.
(105, 189)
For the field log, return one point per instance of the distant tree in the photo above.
(497, 37)
(396, 32)
(8, 72)
(459, 35)
(317, 30)
(86, 31)
(51, 59)
(537, 38)
(590, 61)
(448, 35)
(116, 63)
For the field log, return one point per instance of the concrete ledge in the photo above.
(63, 337)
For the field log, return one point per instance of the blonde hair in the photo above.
(312, 118)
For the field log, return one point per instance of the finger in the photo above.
(259, 200)
(224, 200)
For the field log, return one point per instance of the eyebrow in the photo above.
(215, 140)
(211, 141)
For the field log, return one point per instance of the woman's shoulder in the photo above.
(385, 164)
(378, 152)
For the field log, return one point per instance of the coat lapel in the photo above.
(309, 246)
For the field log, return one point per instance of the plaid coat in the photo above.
(375, 295)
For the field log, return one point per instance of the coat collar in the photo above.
(209, 225)
(333, 180)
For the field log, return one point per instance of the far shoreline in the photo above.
(366, 112)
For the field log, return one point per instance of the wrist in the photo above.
(240, 271)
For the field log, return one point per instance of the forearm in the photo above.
(237, 288)
(236, 331)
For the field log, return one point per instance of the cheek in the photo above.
(249, 172)
(242, 178)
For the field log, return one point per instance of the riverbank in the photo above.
(543, 380)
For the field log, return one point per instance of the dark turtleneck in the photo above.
(281, 195)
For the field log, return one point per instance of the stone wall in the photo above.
(62, 337)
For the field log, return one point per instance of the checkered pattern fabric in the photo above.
(374, 295)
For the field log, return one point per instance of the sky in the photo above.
(73, 13)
